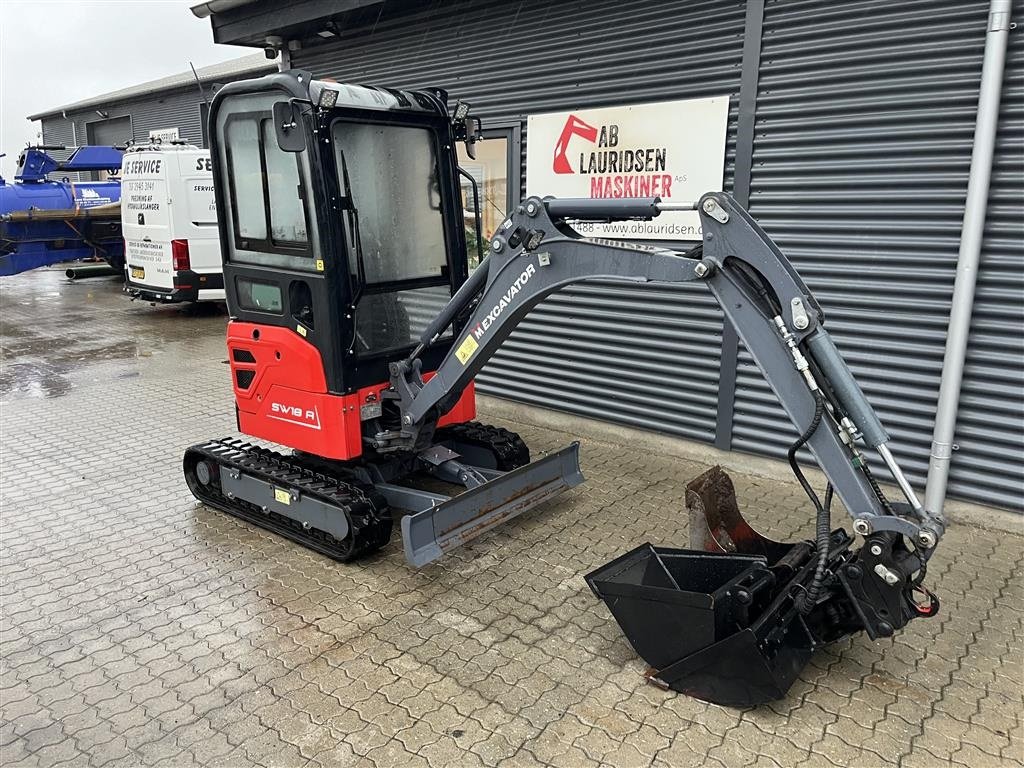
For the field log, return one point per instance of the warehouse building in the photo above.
(849, 136)
(172, 107)
(847, 129)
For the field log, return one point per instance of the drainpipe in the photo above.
(970, 254)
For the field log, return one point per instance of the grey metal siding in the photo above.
(864, 127)
(600, 350)
(178, 109)
(59, 131)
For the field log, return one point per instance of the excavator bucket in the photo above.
(720, 621)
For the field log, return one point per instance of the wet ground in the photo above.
(139, 628)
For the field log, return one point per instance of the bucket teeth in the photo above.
(716, 524)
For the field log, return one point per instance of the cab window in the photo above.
(267, 193)
(393, 219)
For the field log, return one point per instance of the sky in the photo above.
(53, 52)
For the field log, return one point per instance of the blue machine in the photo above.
(43, 222)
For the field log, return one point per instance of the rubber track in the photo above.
(508, 448)
(367, 513)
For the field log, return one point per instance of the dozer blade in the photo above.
(428, 534)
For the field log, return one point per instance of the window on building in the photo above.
(497, 161)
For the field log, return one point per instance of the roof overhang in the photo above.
(251, 22)
(203, 10)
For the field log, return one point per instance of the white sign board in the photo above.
(164, 134)
(674, 150)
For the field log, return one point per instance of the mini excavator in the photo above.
(357, 329)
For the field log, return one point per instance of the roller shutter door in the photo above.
(115, 131)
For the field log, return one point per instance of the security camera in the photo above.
(271, 45)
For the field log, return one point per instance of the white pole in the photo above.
(970, 254)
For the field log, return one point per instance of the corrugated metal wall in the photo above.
(60, 131)
(179, 108)
(599, 350)
(864, 128)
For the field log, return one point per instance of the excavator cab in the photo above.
(357, 329)
(342, 223)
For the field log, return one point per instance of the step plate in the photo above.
(427, 535)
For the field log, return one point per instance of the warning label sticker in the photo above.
(466, 349)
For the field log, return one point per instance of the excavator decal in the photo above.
(294, 414)
(481, 328)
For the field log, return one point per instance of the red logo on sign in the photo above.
(573, 127)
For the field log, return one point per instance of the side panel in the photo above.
(281, 394)
(195, 217)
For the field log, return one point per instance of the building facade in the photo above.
(849, 137)
(172, 108)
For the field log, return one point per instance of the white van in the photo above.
(169, 221)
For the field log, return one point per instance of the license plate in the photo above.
(138, 273)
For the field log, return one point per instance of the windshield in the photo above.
(388, 173)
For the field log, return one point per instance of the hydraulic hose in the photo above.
(822, 540)
(806, 602)
(876, 490)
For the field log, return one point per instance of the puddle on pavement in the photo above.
(33, 380)
(51, 340)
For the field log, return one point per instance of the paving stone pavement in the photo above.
(139, 628)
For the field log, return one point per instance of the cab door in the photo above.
(275, 273)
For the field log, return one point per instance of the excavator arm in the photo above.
(535, 253)
(734, 619)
